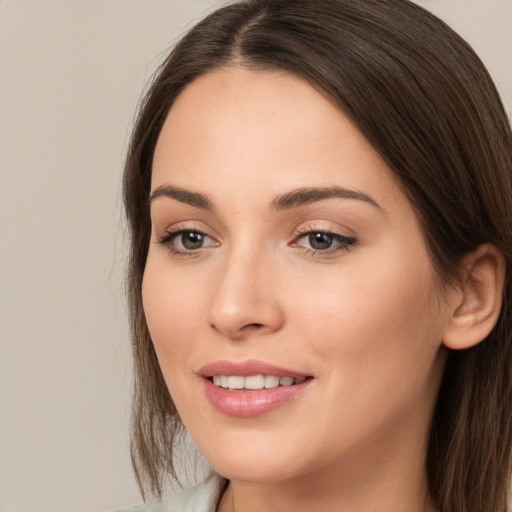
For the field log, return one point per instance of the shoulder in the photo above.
(200, 498)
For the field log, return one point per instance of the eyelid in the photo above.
(344, 241)
(171, 234)
(182, 226)
(327, 227)
(168, 236)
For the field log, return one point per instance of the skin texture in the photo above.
(366, 320)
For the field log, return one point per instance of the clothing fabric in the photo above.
(203, 497)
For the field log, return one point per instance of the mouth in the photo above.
(255, 382)
(251, 388)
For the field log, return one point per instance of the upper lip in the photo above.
(247, 368)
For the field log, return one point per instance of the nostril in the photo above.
(253, 326)
(247, 327)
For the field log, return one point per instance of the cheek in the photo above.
(173, 311)
(376, 337)
(377, 321)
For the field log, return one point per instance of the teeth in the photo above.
(236, 382)
(255, 381)
(286, 381)
(271, 381)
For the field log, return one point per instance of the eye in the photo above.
(320, 241)
(185, 241)
(323, 242)
(191, 240)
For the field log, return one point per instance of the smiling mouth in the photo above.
(255, 382)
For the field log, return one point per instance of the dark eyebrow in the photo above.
(304, 196)
(183, 196)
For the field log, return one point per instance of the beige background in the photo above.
(70, 75)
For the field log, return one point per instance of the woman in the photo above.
(318, 195)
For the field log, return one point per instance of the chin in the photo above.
(261, 472)
(252, 459)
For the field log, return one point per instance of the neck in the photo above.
(366, 497)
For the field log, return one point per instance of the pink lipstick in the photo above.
(251, 388)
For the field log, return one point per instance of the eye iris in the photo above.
(192, 240)
(319, 241)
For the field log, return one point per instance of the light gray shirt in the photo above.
(203, 497)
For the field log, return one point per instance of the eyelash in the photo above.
(343, 242)
(168, 238)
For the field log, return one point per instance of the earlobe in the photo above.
(479, 300)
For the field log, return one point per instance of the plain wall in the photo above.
(71, 73)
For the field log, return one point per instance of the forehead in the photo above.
(234, 104)
(239, 130)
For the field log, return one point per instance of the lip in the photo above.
(246, 404)
(247, 368)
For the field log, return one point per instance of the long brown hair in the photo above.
(424, 100)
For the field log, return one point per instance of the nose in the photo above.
(245, 302)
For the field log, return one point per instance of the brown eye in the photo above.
(323, 242)
(186, 241)
(191, 240)
(320, 241)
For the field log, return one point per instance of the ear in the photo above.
(479, 298)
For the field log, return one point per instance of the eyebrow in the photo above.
(304, 196)
(183, 196)
(287, 201)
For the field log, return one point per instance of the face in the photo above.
(288, 290)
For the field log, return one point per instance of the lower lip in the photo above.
(246, 404)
